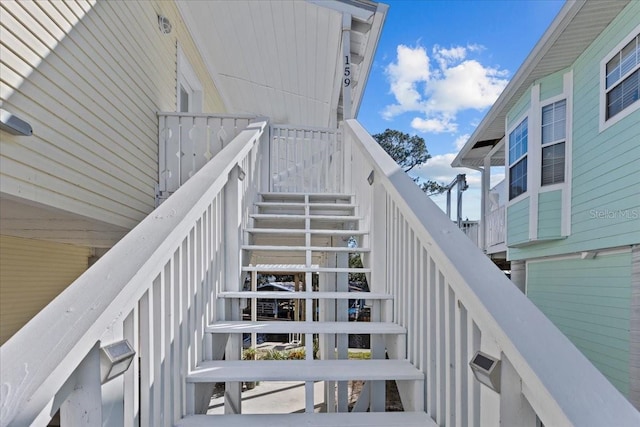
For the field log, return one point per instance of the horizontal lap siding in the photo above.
(549, 214)
(552, 86)
(32, 273)
(589, 301)
(90, 78)
(518, 222)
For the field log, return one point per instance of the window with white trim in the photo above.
(189, 94)
(554, 130)
(622, 80)
(518, 147)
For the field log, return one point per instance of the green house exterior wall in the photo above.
(551, 85)
(518, 111)
(589, 301)
(518, 222)
(549, 214)
(605, 194)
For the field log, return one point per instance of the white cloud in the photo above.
(434, 125)
(465, 86)
(438, 90)
(411, 69)
(460, 141)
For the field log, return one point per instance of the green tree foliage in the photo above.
(408, 151)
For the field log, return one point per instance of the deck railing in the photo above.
(495, 227)
(306, 160)
(186, 141)
(156, 288)
(454, 301)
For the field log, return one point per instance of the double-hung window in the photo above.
(622, 79)
(554, 125)
(518, 146)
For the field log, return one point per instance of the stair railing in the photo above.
(454, 302)
(157, 289)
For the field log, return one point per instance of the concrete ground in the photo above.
(272, 397)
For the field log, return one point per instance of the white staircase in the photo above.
(306, 235)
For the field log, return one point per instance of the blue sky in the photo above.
(439, 67)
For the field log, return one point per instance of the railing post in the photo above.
(515, 410)
(232, 235)
(83, 406)
(377, 279)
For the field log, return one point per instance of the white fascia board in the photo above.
(372, 46)
(183, 8)
(515, 87)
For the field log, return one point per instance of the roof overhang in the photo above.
(283, 59)
(575, 27)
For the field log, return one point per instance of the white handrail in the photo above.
(454, 301)
(156, 287)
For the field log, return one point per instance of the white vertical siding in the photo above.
(90, 77)
(32, 273)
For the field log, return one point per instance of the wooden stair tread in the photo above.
(325, 196)
(295, 268)
(303, 204)
(303, 370)
(282, 216)
(344, 419)
(278, 327)
(304, 248)
(305, 295)
(302, 231)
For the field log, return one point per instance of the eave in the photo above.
(283, 59)
(576, 26)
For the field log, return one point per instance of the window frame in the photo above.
(605, 122)
(187, 79)
(512, 164)
(551, 103)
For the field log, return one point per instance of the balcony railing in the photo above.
(187, 141)
(306, 160)
(495, 227)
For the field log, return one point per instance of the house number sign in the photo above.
(347, 72)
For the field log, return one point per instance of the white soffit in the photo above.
(575, 27)
(278, 59)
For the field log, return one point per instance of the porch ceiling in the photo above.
(577, 25)
(283, 59)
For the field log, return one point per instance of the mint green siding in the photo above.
(518, 222)
(519, 110)
(589, 301)
(549, 214)
(605, 189)
(551, 86)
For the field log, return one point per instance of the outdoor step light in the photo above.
(115, 360)
(13, 124)
(241, 174)
(486, 369)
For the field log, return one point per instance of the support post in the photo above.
(83, 406)
(515, 410)
(232, 236)
(377, 283)
(347, 71)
